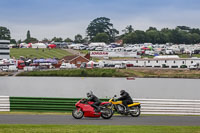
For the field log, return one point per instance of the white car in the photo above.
(12, 68)
(194, 67)
(29, 68)
(5, 69)
(67, 66)
(120, 66)
(98, 49)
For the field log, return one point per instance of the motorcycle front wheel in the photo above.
(135, 111)
(77, 114)
(106, 113)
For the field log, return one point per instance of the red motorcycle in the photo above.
(84, 108)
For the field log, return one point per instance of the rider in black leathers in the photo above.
(125, 98)
(93, 98)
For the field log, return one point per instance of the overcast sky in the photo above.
(66, 18)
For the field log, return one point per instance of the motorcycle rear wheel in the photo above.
(108, 114)
(77, 114)
(135, 113)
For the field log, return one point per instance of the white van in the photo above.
(194, 67)
(67, 66)
(12, 68)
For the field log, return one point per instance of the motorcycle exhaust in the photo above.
(132, 110)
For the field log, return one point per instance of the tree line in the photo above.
(102, 30)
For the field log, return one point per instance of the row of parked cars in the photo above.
(10, 68)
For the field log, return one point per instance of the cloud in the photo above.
(41, 31)
(166, 18)
(72, 18)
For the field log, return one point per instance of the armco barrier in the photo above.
(4, 103)
(170, 106)
(42, 104)
(149, 106)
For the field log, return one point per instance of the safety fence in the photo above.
(42, 104)
(148, 106)
(170, 106)
(4, 103)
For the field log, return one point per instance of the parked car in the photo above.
(83, 47)
(99, 49)
(92, 48)
(29, 68)
(194, 67)
(5, 68)
(129, 65)
(12, 68)
(67, 66)
(120, 66)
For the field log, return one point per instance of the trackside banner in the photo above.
(98, 53)
(113, 54)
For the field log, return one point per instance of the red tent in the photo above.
(52, 46)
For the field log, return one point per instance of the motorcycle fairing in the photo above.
(134, 104)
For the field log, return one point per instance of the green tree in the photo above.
(55, 39)
(78, 38)
(153, 35)
(141, 36)
(101, 25)
(195, 38)
(28, 35)
(45, 40)
(4, 33)
(130, 38)
(185, 28)
(86, 40)
(19, 41)
(101, 37)
(13, 41)
(68, 40)
(30, 39)
(179, 35)
(128, 29)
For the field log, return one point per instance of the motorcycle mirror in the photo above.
(115, 95)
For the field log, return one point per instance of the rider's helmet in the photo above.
(89, 94)
(122, 92)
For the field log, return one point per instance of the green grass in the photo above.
(141, 73)
(188, 55)
(96, 129)
(38, 53)
(76, 73)
(84, 51)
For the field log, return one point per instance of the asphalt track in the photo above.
(115, 120)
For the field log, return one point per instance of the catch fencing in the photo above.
(148, 106)
(4, 103)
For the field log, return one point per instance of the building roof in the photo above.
(68, 58)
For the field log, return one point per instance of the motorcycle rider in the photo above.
(93, 98)
(125, 98)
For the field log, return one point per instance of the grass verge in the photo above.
(76, 73)
(96, 129)
(38, 53)
(140, 73)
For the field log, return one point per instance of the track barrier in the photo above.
(4, 103)
(148, 106)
